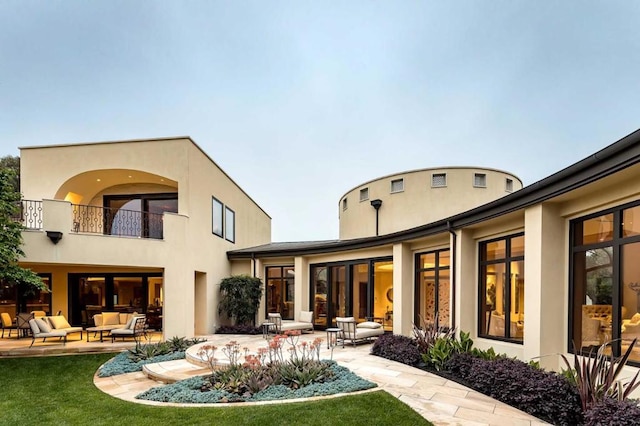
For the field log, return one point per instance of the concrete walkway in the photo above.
(439, 400)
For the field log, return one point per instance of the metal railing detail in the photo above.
(30, 214)
(111, 221)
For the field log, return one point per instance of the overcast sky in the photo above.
(301, 101)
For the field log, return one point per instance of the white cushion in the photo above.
(58, 322)
(43, 325)
(110, 318)
(345, 319)
(369, 324)
(34, 326)
(132, 326)
(128, 324)
(635, 318)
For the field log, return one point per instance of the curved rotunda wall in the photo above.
(417, 197)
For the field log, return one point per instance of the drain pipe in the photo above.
(452, 271)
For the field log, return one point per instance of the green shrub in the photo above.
(240, 297)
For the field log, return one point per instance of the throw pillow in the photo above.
(128, 324)
(134, 321)
(110, 318)
(635, 318)
(369, 324)
(43, 325)
(58, 322)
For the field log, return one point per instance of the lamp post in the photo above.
(376, 205)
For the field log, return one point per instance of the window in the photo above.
(508, 185)
(344, 203)
(433, 288)
(216, 217)
(397, 185)
(502, 288)
(229, 225)
(364, 194)
(279, 293)
(605, 280)
(438, 180)
(480, 180)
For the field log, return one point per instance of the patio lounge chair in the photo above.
(7, 323)
(41, 329)
(305, 322)
(356, 333)
(135, 330)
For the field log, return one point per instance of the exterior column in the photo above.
(402, 289)
(301, 285)
(466, 284)
(545, 301)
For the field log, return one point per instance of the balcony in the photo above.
(30, 214)
(120, 222)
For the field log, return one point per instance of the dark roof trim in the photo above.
(614, 158)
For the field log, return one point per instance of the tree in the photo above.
(240, 298)
(26, 281)
(12, 163)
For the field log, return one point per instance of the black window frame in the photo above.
(215, 203)
(482, 291)
(436, 271)
(226, 225)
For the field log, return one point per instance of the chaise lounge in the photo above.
(135, 329)
(40, 328)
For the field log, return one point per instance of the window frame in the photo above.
(401, 180)
(217, 207)
(228, 211)
(483, 177)
(433, 176)
(508, 185)
(366, 192)
(482, 290)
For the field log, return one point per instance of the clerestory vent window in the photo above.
(397, 185)
(438, 180)
(480, 180)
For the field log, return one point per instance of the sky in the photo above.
(301, 101)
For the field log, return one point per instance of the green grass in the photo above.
(60, 391)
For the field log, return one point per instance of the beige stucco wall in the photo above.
(192, 258)
(418, 203)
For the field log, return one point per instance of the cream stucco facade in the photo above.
(416, 197)
(190, 259)
(512, 268)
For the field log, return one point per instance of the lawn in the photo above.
(60, 391)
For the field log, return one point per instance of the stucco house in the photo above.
(528, 271)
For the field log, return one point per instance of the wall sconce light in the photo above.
(54, 236)
(376, 205)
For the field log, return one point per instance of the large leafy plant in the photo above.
(240, 298)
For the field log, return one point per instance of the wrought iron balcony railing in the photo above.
(111, 221)
(30, 214)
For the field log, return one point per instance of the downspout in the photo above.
(253, 260)
(453, 272)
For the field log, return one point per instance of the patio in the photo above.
(437, 399)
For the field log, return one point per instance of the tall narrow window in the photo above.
(364, 194)
(433, 288)
(397, 185)
(279, 293)
(229, 225)
(480, 180)
(438, 180)
(502, 288)
(216, 217)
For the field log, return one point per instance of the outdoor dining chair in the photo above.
(7, 323)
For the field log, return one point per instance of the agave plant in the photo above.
(596, 377)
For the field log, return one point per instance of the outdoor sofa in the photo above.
(54, 326)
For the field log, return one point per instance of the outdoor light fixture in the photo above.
(54, 236)
(376, 205)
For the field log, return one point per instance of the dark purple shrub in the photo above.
(543, 394)
(460, 364)
(397, 348)
(238, 329)
(612, 412)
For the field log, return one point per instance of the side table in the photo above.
(332, 337)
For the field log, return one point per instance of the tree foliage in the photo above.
(240, 298)
(12, 163)
(11, 272)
